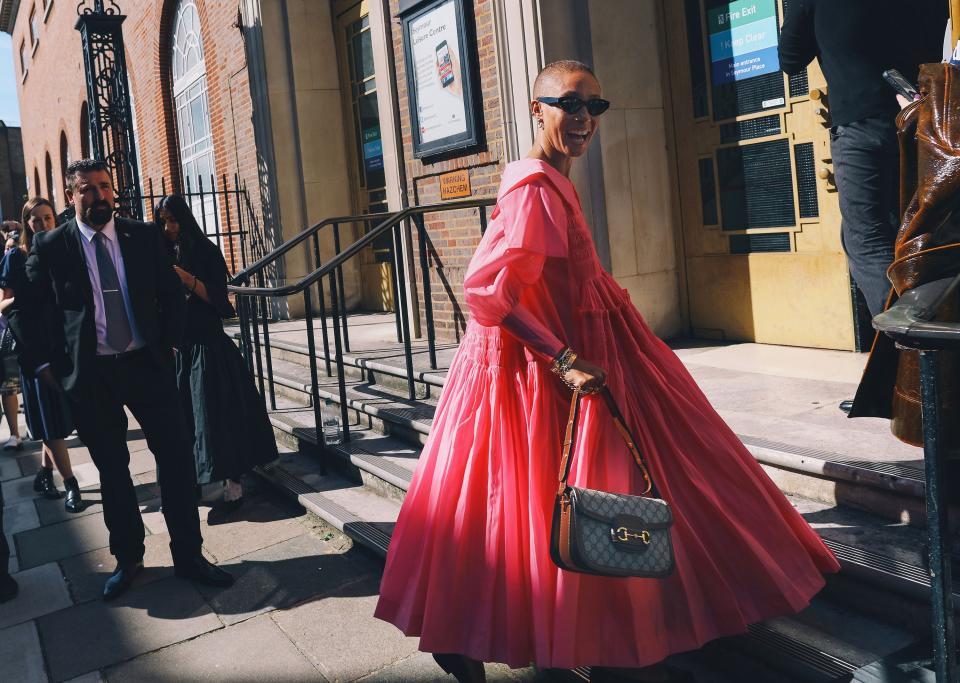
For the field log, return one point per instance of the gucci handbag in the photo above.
(610, 534)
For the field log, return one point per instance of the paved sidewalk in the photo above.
(301, 609)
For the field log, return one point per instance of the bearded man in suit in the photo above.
(101, 318)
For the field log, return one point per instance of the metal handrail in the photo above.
(253, 310)
(302, 236)
(348, 253)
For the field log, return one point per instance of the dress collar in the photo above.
(522, 171)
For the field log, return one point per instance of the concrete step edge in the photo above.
(882, 476)
(361, 531)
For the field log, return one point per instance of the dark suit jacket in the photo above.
(54, 320)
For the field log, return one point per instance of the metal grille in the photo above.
(756, 185)
(799, 84)
(766, 242)
(749, 129)
(708, 192)
(748, 96)
(806, 180)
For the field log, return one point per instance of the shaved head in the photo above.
(553, 72)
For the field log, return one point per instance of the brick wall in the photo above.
(54, 90)
(454, 236)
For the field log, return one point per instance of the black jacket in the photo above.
(856, 41)
(59, 290)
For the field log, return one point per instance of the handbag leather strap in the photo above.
(569, 438)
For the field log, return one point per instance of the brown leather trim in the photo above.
(935, 262)
(564, 539)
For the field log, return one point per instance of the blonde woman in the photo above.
(46, 408)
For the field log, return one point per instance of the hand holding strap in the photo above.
(619, 422)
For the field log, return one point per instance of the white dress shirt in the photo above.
(109, 231)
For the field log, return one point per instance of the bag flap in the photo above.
(604, 507)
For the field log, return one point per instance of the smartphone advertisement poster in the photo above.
(434, 43)
(743, 40)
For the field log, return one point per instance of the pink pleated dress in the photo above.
(469, 567)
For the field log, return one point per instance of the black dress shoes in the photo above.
(74, 501)
(8, 588)
(846, 406)
(199, 570)
(121, 579)
(222, 512)
(44, 485)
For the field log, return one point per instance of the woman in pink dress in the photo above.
(469, 568)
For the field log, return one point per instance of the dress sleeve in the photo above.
(798, 41)
(214, 274)
(511, 257)
(12, 269)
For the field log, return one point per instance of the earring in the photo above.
(540, 124)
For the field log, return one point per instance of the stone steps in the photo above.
(891, 490)
(869, 512)
(832, 638)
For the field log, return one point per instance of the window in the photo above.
(34, 26)
(24, 60)
(51, 188)
(86, 143)
(64, 162)
(194, 133)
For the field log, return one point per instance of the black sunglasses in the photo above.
(572, 104)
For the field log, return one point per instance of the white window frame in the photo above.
(189, 90)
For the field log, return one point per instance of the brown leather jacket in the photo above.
(927, 249)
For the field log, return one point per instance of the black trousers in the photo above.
(136, 380)
(866, 167)
(4, 546)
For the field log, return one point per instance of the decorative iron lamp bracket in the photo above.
(108, 98)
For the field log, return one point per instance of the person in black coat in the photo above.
(46, 409)
(109, 287)
(231, 430)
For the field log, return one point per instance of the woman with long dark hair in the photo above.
(46, 408)
(232, 432)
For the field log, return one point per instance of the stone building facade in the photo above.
(307, 103)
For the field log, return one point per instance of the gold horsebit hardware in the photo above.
(625, 535)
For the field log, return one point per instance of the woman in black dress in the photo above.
(46, 409)
(232, 432)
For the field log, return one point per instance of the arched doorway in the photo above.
(194, 132)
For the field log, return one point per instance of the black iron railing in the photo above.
(253, 291)
(912, 323)
(223, 211)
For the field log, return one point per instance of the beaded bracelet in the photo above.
(564, 361)
(562, 364)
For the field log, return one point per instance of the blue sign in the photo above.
(373, 154)
(743, 40)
